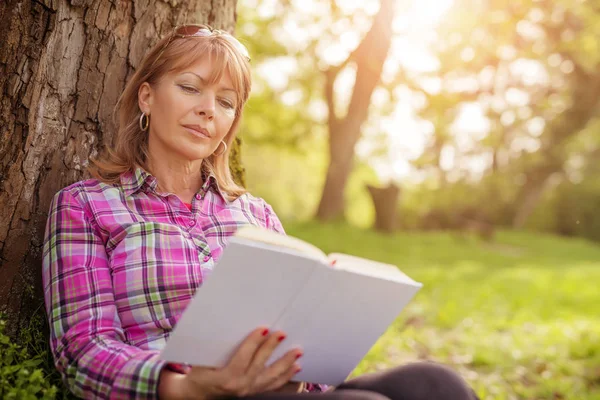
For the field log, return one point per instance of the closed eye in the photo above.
(188, 89)
(226, 104)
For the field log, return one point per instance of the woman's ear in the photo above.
(145, 98)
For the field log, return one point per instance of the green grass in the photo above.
(519, 318)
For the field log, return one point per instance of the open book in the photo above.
(334, 307)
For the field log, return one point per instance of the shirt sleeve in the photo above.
(273, 223)
(86, 338)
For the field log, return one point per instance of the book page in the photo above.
(368, 267)
(262, 235)
(251, 286)
(336, 318)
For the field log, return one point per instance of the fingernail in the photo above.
(280, 338)
(298, 355)
(265, 332)
(298, 370)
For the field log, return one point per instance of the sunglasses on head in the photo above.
(187, 31)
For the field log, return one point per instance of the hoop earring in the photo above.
(144, 123)
(224, 149)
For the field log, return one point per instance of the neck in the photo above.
(182, 178)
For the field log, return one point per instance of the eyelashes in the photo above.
(192, 90)
(188, 89)
(227, 104)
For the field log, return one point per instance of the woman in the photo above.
(124, 252)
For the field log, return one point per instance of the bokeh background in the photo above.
(460, 141)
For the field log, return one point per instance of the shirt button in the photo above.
(198, 197)
(192, 222)
(206, 258)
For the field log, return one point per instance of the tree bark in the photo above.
(63, 64)
(344, 132)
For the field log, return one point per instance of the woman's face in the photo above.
(189, 117)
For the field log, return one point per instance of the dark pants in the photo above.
(417, 381)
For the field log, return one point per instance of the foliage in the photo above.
(517, 318)
(277, 114)
(529, 68)
(567, 208)
(571, 209)
(26, 372)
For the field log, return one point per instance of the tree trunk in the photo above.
(341, 158)
(344, 133)
(385, 201)
(63, 64)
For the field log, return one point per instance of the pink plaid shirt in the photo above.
(120, 265)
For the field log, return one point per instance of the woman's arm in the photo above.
(86, 337)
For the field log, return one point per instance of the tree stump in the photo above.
(385, 201)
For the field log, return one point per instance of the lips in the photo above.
(198, 131)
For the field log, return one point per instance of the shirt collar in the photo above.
(210, 182)
(133, 181)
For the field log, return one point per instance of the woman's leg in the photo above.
(417, 381)
(337, 395)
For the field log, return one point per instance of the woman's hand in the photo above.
(246, 372)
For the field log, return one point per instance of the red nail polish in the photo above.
(298, 369)
(265, 332)
(299, 355)
(280, 338)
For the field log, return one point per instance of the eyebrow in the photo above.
(204, 81)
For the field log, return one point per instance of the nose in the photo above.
(206, 106)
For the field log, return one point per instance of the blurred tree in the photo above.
(292, 114)
(63, 65)
(345, 131)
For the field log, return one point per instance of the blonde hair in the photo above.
(130, 149)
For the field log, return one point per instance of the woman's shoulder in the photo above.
(251, 202)
(86, 190)
(91, 185)
(260, 209)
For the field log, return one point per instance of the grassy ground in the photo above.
(519, 318)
